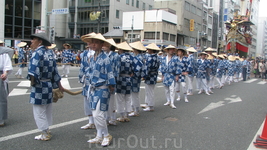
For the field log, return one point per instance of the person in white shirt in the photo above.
(5, 69)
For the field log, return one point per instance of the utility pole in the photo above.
(132, 29)
(75, 17)
(44, 15)
(156, 26)
(98, 20)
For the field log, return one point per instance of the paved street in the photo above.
(228, 119)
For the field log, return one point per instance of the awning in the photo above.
(114, 33)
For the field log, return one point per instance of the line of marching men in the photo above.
(133, 62)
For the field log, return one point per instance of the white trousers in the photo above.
(135, 101)
(190, 83)
(223, 79)
(100, 121)
(219, 81)
(169, 92)
(150, 97)
(87, 107)
(19, 72)
(43, 116)
(111, 108)
(177, 87)
(65, 69)
(202, 84)
(229, 79)
(123, 103)
(212, 81)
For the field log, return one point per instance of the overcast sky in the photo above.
(263, 9)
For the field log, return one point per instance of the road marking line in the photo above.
(212, 106)
(27, 80)
(65, 83)
(9, 137)
(251, 146)
(16, 92)
(250, 81)
(25, 83)
(262, 82)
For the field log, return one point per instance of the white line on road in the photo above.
(9, 137)
(262, 82)
(24, 84)
(251, 146)
(65, 83)
(16, 92)
(27, 80)
(250, 81)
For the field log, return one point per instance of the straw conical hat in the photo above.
(241, 59)
(43, 37)
(138, 45)
(225, 55)
(98, 36)
(215, 54)
(52, 46)
(191, 49)
(237, 57)
(169, 47)
(67, 44)
(153, 46)
(85, 37)
(210, 56)
(124, 46)
(21, 44)
(111, 42)
(221, 56)
(203, 53)
(209, 49)
(231, 58)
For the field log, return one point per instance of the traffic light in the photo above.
(192, 23)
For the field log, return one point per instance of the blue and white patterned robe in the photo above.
(220, 69)
(226, 62)
(192, 63)
(150, 69)
(30, 53)
(231, 68)
(67, 56)
(127, 66)
(238, 68)
(213, 66)
(202, 68)
(84, 71)
(183, 66)
(21, 58)
(114, 57)
(169, 70)
(43, 68)
(136, 78)
(100, 75)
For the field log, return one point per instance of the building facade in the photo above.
(186, 11)
(20, 19)
(254, 14)
(262, 37)
(98, 16)
(150, 26)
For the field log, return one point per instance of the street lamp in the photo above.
(156, 26)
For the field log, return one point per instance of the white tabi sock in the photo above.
(137, 109)
(178, 94)
(113, 116)
(122, 115)
(91, 120)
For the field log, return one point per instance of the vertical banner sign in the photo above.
(192, 24)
